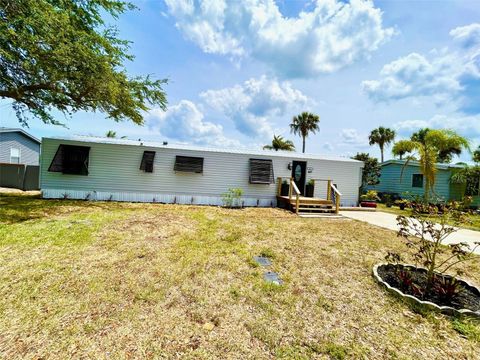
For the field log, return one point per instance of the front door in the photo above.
(299, 174)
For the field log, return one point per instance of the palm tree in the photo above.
(279, 143)
(381, 136)
(304, 124)
(431, 146)
(401, 148)
(111, 134)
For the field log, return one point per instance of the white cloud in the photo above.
(250, 105)
(331, 36)
(467, 36)
(352, 137)
(447, 76)
(468, 126)
(185, 122)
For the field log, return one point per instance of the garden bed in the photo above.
(465, 302)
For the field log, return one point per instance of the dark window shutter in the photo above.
(147, 161)
(70, 159)
(188, 164)
(261, 171)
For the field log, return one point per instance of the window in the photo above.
(147, 161)
(70, 159)
(188, 164)
(261, 171)
(417, 180)
(14, 156)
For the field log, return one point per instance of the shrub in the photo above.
(232, 198)
(427, 238)
(370, 195)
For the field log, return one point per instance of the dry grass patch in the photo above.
(111, 280)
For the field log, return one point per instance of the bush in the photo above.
(371, 195)
(425, 231)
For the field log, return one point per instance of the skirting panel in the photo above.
(185, 199)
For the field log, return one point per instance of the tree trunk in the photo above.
(381, 152)
(303, 148)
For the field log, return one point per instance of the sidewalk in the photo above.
(389, 221)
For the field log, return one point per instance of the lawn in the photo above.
(117, 280)
(472, 221)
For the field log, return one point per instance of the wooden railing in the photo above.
(293, 188)
(293, 192)
(336, 197)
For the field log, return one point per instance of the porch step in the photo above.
(324, 216)
(315, 209)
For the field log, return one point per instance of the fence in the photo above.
(19, 176)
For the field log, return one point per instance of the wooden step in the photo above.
(313, 210)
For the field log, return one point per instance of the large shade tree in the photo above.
(381, 136)
(430, 148)
(279, 143)
(62, 55)
(304, 124)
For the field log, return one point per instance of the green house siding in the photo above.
(394, 181)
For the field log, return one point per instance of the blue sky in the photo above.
(238, 71)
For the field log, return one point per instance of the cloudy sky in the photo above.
(238, 71)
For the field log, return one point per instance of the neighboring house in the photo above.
(125, 170)
(18, 147)
(396, 178)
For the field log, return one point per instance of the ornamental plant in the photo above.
(426, 231)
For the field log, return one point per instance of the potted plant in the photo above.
(369, 199)
(402, 203)
(310, 188)
(285, 187)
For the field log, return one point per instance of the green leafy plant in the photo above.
(370, 195)
(232, 198)
(427, 238)
(311, 182)
(370, 171)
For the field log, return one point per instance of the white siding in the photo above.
(114, 174)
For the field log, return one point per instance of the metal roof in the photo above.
(416, 163)
(115, 141)
(9, 130)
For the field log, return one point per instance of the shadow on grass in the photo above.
(19, 208)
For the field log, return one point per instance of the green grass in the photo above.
(472, 221)
(118, 280)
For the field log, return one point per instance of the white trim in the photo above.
(19, 156)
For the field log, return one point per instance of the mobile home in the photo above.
(126, 170)
(401, 178)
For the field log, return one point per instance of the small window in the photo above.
(261, 171)
(147, 161)
(417, 180)
(188, 164)
(70, 159)
(14, 156)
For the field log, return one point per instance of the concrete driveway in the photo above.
(389, 221)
